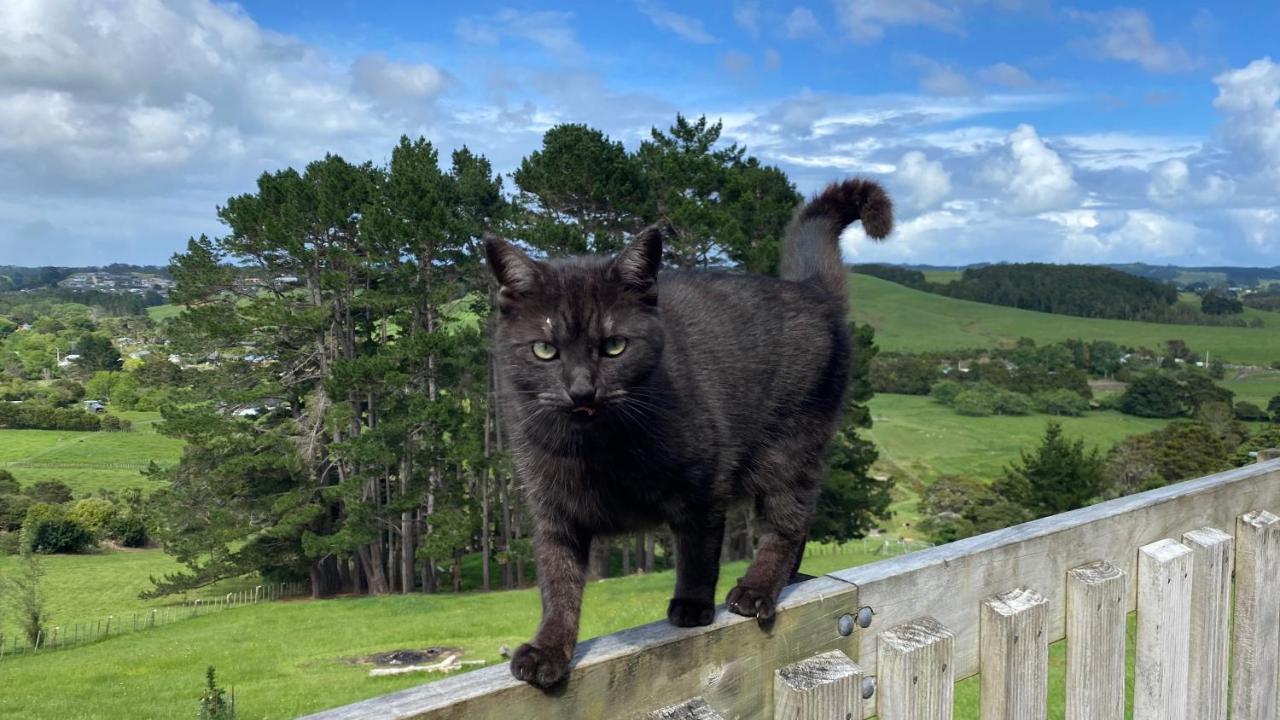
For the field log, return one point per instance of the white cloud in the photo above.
(925, 182)
(689, 28)
(747, 16)
(939, 79)
(1248, 98)
(866, 20)
(772, 59)
(550, 30)
(801, 24)
(1260, 227)
(1126, 34)
(1032, 177)
(1006, 75)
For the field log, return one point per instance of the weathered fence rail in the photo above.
(891, 638)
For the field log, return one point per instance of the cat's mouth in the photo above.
(583, 411)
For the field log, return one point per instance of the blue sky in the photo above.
(1005, 129)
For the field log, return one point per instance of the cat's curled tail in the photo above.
(811, 247)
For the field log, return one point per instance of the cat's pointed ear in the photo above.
(516, 272)
(637, 265)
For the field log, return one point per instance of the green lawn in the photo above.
(87, 461)
(914, 321)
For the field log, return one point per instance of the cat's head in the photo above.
(578, 338)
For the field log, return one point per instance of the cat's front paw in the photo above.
(539, 667)
(752, 602)
(687, 612)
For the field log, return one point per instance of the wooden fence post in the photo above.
(1212, 561)
(1268, 454)
(824, 686)
(1097, 600)
(1164, 631)
(916, 673)
(1014, 655)
(1257, 617)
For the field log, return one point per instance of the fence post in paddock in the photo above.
(824, 686)
(1257, 617)
(1164, 631)
(916, 673)
(1212, 560)
(695, 709)
(1014, 655)
(1097, 610)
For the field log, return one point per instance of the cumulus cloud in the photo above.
(772, 59)
(737, 62)
(866, 20)
(939, 79)
(1031, 176)
(801, 24)
(1249, 100)
(687, 27)
(923, 182)
(1126, 34)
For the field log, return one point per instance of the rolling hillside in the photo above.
(913, 321)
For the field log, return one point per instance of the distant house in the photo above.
(68, 360)
(95, 406)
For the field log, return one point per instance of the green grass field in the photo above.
(914, 321)
(1257, 388)
(164, 312)
(87, 461)
(920, 440)
(85, 588)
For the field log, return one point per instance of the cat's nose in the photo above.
(582, 392)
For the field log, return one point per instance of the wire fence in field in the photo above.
(882, 545)
(68, 635)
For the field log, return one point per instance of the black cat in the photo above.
(634, 398)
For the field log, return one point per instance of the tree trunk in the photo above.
(371, 555)
(485, 478)
(626, 557)
(648, 552)
(457, 571)
(639, 540)
(407, 540)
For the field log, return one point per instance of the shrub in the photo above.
(9, 484)
(1007, 402)
(95, 514)
(47, 529)
(10, 543)
(13, 511)
(1156, 396)
(1247, 412)
(49, 491)
(34, 416)
(975, 403)
(214, 704)
(1060, 402)
(112, 423)
(129, 531)
(946, 391)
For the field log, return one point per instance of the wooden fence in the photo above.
(67, 635)
(892, 638)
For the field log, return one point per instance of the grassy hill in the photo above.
(87, 461)
(914, 321)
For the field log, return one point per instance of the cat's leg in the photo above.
(785, 510)
(697, 570)
(561, 555)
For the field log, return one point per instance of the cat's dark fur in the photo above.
(729, 388)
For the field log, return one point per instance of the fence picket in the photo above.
(1212, 559)
(1164, 631)
(916, 674)
(1257, 617)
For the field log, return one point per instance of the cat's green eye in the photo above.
(614, 346)
(545, 351)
